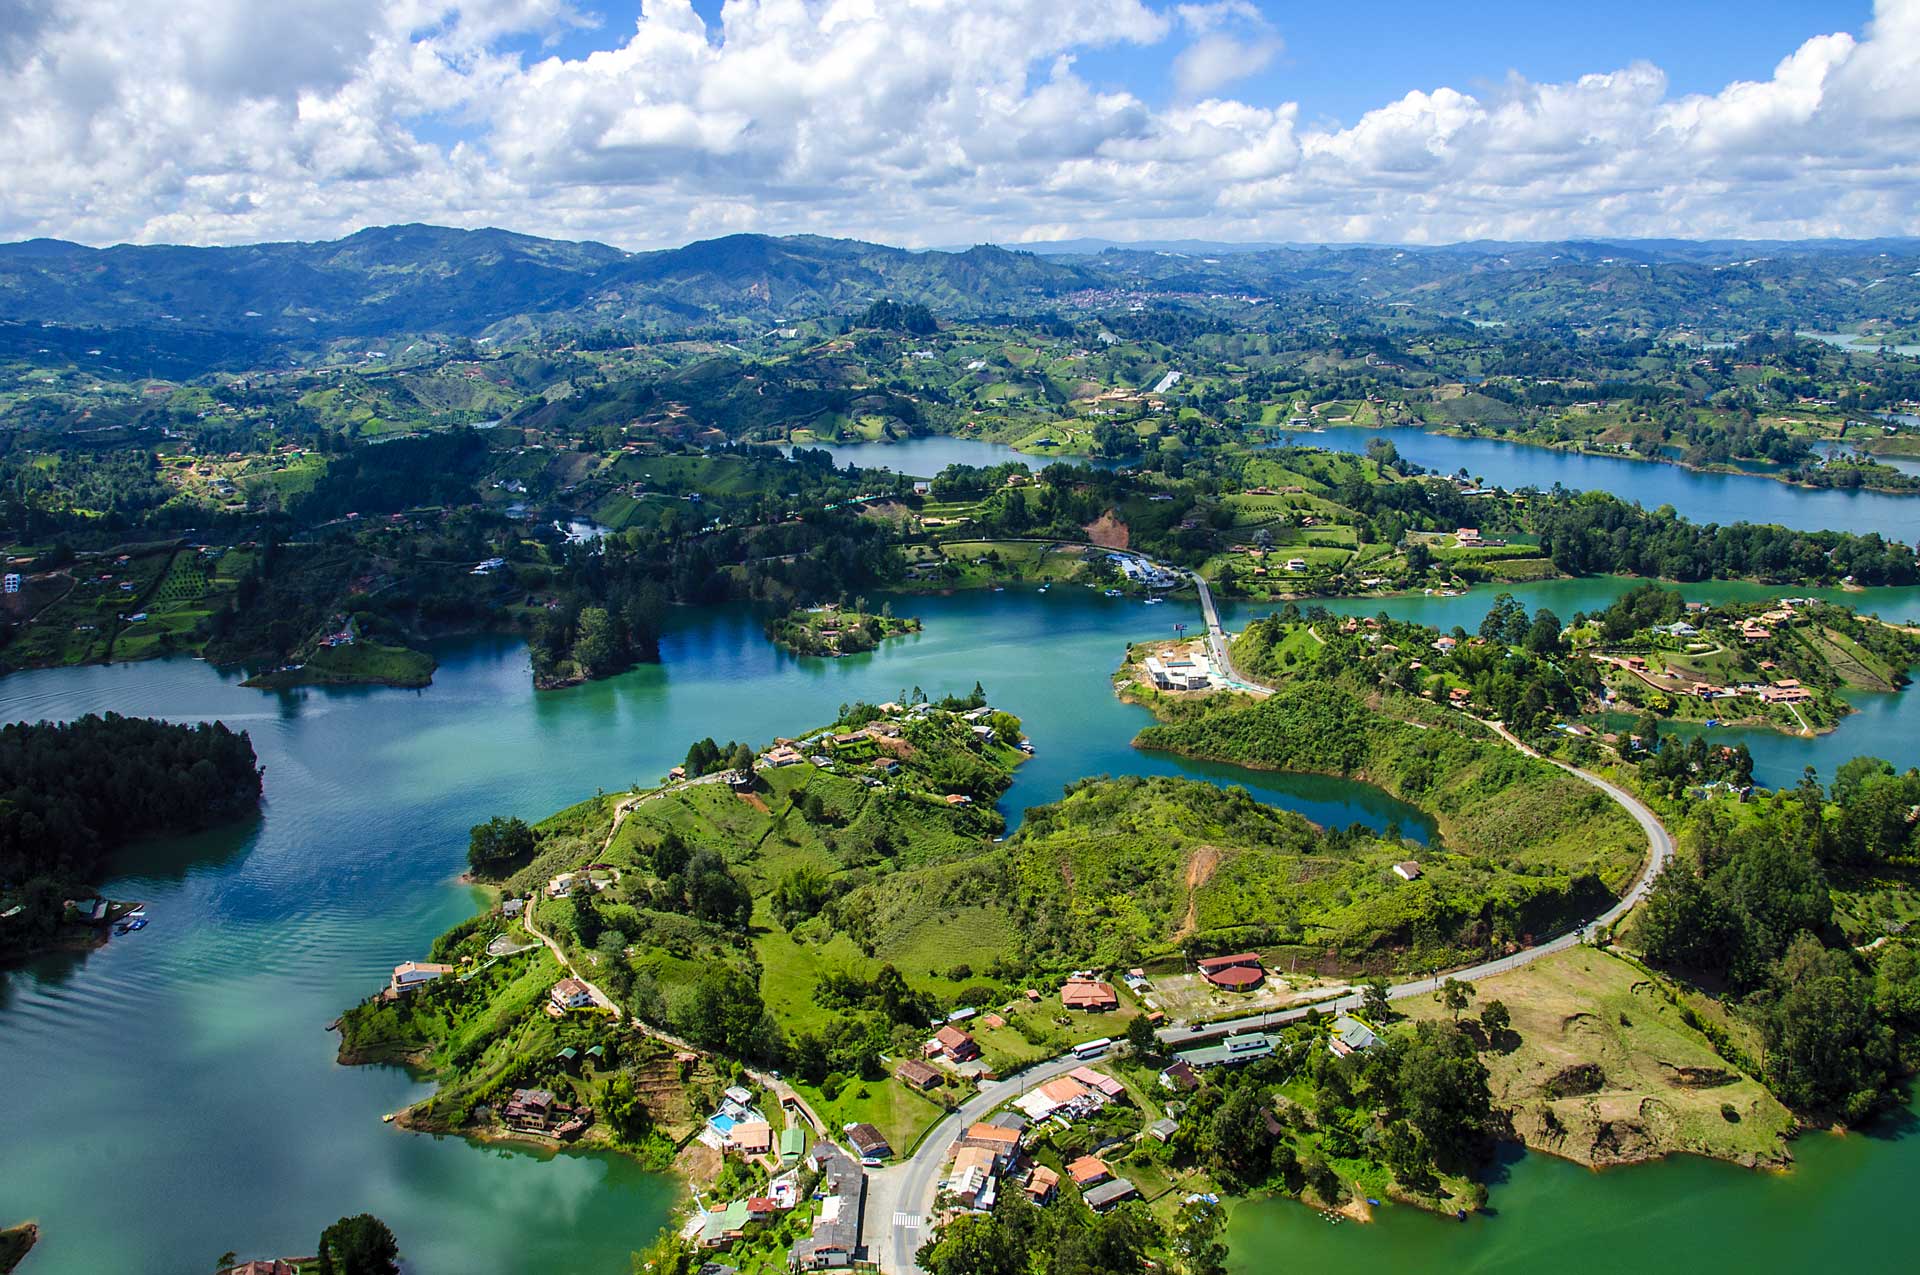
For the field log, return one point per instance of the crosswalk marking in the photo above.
(907, 1221)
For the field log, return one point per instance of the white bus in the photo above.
(1092, 1049)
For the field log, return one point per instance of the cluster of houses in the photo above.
(1140, 571)
(991, 1152)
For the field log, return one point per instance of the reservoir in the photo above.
(175, 1094)
(1699, 497)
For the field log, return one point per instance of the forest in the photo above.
(71, 793)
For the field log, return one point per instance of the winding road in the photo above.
(900, 1198)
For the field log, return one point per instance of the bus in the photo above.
(1092, 1049)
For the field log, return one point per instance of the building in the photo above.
(793, 1145)
(1238, 973)
(723, 1226)
(1232, 1052)
(752, 1137)
(952, 1044)
(868, 1141)
(1089, 995)
(917, 1075)
(1163, 1129)
(1407, 871)
(784, 755)
(408, 975)
(1062, 1095)
(1041, 1184)
(571, 993)
(512, 907)
(272, 1266)
(1179, 1077)
(836, 1231)
(1350, 1036)
(12, 585)
(1088, 1171)
(1003, 1142)
(1108, 1194)
(1179, 673)
(1101, 1083)
(1467, 536)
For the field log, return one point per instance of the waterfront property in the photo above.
(409, 975)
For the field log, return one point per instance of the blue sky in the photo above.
(924, 122)
(1343, 59)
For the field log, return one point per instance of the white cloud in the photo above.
(915, 121)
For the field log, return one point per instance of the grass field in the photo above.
(1601, 1068)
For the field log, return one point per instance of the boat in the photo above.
(1154, 602)
(1045, 587)
(1113, 593)
(999, 588)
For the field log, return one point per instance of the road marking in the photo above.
(907, 1221)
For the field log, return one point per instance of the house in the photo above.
(868, 1141)
(784, 755)
(959, 799)
(1088, 1171)
(753, 1137)
(836, 1231)
(1350, 1036)
(1108, 1194)
(1163, 1129)
(1041, 1184)
(512, 907)
(1089, 996)
(408, 975)
(917, 1075)
(1062, 1094)
(530, 1108)
(1232, 1052)
(1408, 871)
(1238, 973)
(723, 1226)
(1467, 536)
(972, 1179)
(1179, 1077)
(738, 780)
(571, 993)
(1104, 1085)
(273, 1266)
(12, 585)
(952, 1044)
(761, 1208)
(1002, 1142)
(793, 1145)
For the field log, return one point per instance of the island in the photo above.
(833, 630)
(71, 793)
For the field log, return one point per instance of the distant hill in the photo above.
(397, 280)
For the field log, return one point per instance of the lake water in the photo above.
(925, 457)
(1702, 498)
(1854, 343)
(174, 1094)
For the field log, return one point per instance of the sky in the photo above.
(649, 123)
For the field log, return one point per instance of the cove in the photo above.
(1681, 1216)
(174, 1094)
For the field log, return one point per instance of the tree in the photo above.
(1824, 1048)
(1197, 1246)
(226, 1259)
(667, 1255)
(1442, 1086)
(600, 647)
(360, 1245)
(1495, 1019)
(1140, 1036)
(1456, 994)
(498, 846)
(1374, 1003)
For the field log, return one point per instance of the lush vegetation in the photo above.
(833, 630)
(72, 792)
(1749, 906)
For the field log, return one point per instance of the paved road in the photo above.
(900, 1197)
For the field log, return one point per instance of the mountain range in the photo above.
(399, 280)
